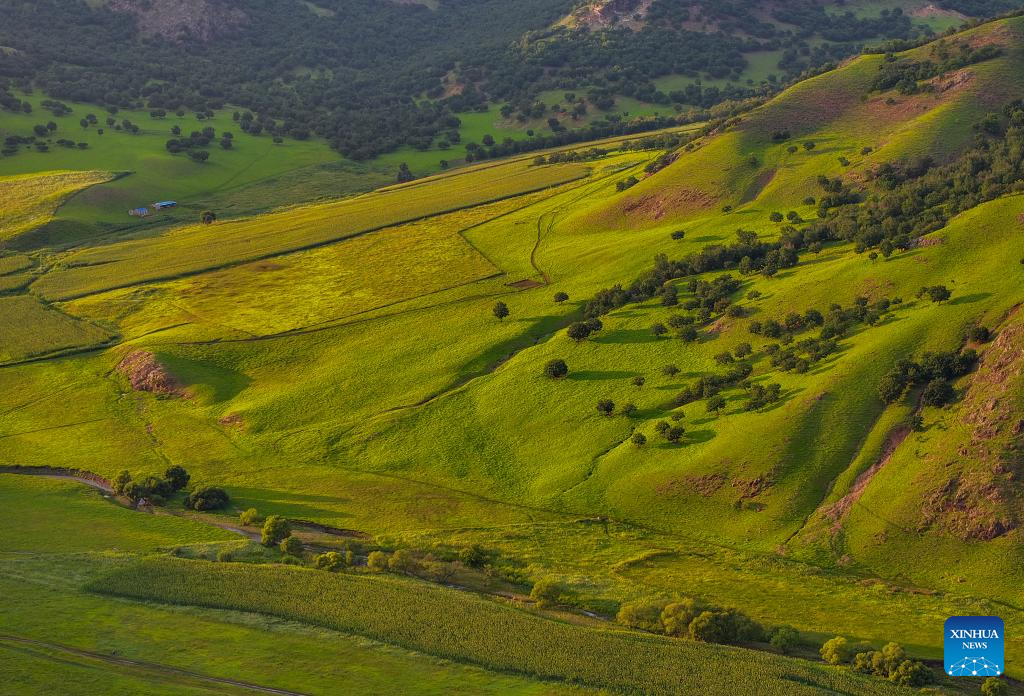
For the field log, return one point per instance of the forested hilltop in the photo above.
(372, 76)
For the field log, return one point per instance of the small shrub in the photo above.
(250, 517)
(994, 687)
(275, 529)
(547, 592)
(677, 616)
(980, 334)
(377, 561)
(177, 477)
(291, 546)
(644, 615)
(402, 561)
(784, 638)
(473, 556)
(208, 498)
(836, 651)
(330, 561)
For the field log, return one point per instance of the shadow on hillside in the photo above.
(595, 375)
(970, 299)
(620, 336)
(697, 437)
(293, 505)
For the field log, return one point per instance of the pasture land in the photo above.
(44, 603)
(12, 263)
(29, 201)
(365, 383)
(63, 516)
(29, 328)
(459, 626)
(198, 247)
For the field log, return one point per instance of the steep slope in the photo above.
(751, 165)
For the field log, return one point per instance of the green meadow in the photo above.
(339, 362)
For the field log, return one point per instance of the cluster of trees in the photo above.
(610, 126)
(627, 183)
(934, 371)
(904, 75)
(709, 386)
(917, 197)
(157, 490)
(154, 489)
(890, 662)
(688, 618)
(371, 77)
(430, 566)
(194, 143)
(748, 255)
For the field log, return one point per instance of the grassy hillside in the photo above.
(342, 363)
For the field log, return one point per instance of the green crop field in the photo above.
(214, 246)
(456, 626)
(28, 328)
(769, 400)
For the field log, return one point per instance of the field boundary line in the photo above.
(306, 247)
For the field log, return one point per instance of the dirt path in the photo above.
(88, 478)
(153, 667)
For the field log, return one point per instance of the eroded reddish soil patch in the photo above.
(146, 373)
(654, 206)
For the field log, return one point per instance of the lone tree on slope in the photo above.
(500, 310)
(556, 369)
(578, 331)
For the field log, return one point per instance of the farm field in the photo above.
(28, 329)
(656, 414)
(29, 201)
(210, 247)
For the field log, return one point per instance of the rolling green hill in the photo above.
(792, 386)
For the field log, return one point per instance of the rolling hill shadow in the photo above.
(293, 505)
(596, 375)
(970, 299)
(621, 336)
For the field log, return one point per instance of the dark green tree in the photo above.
(556, 369)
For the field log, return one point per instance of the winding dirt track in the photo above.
(153, 667)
